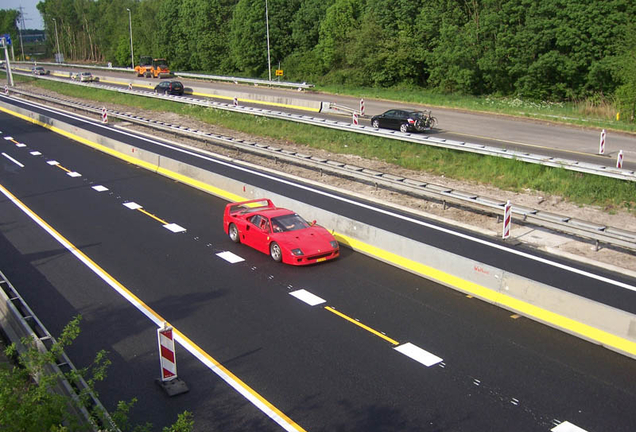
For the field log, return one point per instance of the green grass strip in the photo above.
(515, 176)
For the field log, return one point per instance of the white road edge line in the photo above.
(157, 320)
(307, 297)
(13, 160)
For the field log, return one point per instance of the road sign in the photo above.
(7, 38)
(279, 72)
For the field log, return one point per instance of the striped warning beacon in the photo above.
(507, 220)
(168, 362)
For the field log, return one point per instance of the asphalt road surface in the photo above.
(315, 364)
(533, 136)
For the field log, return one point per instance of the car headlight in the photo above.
(334, 244)
(297, 252)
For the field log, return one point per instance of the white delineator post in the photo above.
(601, 145)
(355, 118)
(619, 160)
(167, 356)
(362, 107)
(507, 220)
(104, 115)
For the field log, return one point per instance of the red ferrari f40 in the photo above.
(279, 232)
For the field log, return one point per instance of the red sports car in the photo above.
(279, 232)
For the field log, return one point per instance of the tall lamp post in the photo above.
(132, 53)
(269, 64)
(57, 57)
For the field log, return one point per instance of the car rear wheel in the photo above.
(234, 234)
(376, 124)
(275, 252)
(404, 128)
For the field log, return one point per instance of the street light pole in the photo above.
(132, 53)
(269, 64)
(57, 41)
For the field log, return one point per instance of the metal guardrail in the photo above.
(448, 196)
(568, 164)
(19, 322)
(233, 79)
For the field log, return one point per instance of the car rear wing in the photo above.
(247, 206)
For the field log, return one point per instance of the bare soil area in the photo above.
(583, 250)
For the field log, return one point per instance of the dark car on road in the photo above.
(39, 70)
(169, 87)
(404, 120)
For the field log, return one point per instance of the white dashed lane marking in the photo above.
(36, 153)
(567, 427)
(174, 228)
(100, 188)
(230, 257)
(132, 205)
(418, 354)
(307, 297)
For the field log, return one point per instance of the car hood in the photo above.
(310, 240)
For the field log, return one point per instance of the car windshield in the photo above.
(291, 222)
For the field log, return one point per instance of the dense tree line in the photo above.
(541, 49)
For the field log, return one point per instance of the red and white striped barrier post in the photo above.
(507, 220)
(601, 145)
(167, 355)
(619, 159)
(168, 362)
(129, 86)
(235, 102)
(355, 118)
(6, 89)
(362, 107)
(104, 115)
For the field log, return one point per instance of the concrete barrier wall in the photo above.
(582, 317)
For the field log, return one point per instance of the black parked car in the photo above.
(170, 87)
(405, 120)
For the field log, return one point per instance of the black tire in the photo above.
(275, 252)
(234, 233)
(404, 128)
(376, 123)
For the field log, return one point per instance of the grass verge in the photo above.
(511, 175)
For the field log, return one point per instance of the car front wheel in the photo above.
(275, 252)
(376, 124)
(234, 234)
(404, 127)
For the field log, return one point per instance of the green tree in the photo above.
(29, 401)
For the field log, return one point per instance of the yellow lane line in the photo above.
(153, 216)
(359, 324)
(569, 325)
(62, 168)
(148, 311)
(470, 288)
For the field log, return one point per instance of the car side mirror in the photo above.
(313, 223)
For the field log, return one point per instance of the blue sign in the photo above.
(7, 38)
